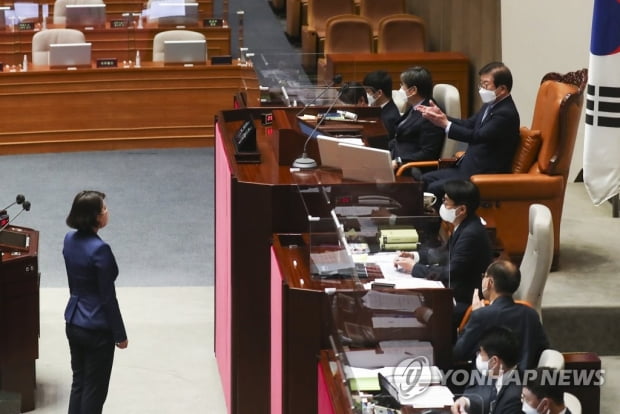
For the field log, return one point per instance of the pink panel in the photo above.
(325, 401)
(223, 328)
(276, 336)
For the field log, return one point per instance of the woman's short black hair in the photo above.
(86, 208)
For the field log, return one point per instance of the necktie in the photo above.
(493, 396)
(486, 112)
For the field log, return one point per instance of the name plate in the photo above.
(107, 62)
(118, 24)
(25, 26)
(213, 22)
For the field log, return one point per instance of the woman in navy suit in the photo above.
(94, 324)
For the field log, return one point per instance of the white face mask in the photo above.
(403, 92)
(527, 409)
(485, 289)
(482, 366)
(447, 214)
(486, 95)
(371, 99)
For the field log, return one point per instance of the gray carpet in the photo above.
(160, 202)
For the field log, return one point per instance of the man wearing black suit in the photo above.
(378, 85)
(492, 134)
(542, 393)
(467, 254)
(415, 138)
(500, 281)
(497, 386)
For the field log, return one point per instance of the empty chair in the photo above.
(376, 10)
(160, 38)
(60, 9)
(313, 33)
(172, 12)
(537, 258)
(572, 403)
(401, 33)
(42, 40)
(348, 33)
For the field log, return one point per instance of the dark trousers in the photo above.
(92, 354)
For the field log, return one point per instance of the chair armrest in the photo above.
(518, 186)
(416, 164)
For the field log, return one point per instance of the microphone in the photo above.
(286, 99)
(25, 207)
(304, 162)
(335, 81)
(18, 200)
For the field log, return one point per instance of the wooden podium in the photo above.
(19, 312)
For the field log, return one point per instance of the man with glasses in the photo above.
(499, 282)
(492, 133)
(467, 253)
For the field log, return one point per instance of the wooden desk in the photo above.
(253, 201)
(112, 43)
(19, 313)
(445, 67)
(154, 106)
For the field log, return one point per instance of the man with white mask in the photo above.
(465, 256)
(501, 279)
(498, 389)
(542, 395)
(492, 133)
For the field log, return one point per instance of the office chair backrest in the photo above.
(161, 37)
(538, 256)
(572, 403)
(348, 33)
(42, 40)
(60, 9)
(448, 97)
(551, 358)
(401, 33)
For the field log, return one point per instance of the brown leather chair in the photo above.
(401, 33)
(313, 33)
(376, 10)
(539, 175)
(540, 166)
(347, 33)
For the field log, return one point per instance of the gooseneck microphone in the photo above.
(335, 81)
(304, 162)
(25, 207)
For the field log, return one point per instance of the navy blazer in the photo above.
(521, 319)
(91, 272)
(469, 253)
(484, 400)
(416, 138)
(492, 143)
(390, 117)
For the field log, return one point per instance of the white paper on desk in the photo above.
(435, 396)
(410, 283)
(390, 322)
(411, 347)
(392, 301)
(368, 358)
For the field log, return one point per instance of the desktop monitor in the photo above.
(79, 16)
(173, 13)
(365, 163)
(64, 55)
(185, 51)
(26, 11)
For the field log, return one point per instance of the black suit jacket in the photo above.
(521, 319)
(492, 143)
(390, 117)
(416, 138)
(506, 401)
(468, 255)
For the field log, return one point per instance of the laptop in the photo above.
(329, 151)
(185, 51)
(365, 163)
(63, 55)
